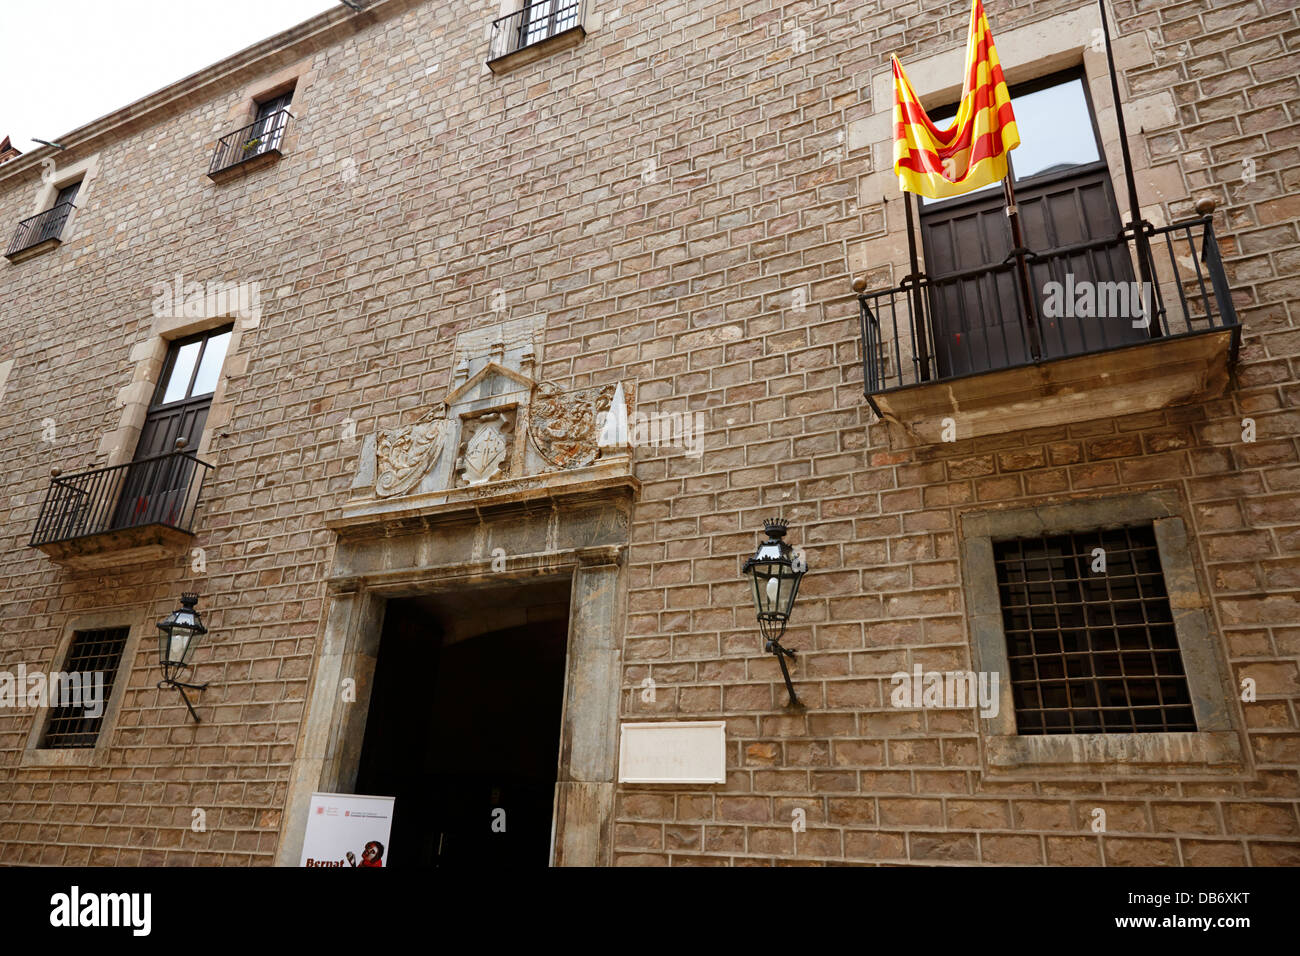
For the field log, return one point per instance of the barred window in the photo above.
(99, 650)
(1091, 651)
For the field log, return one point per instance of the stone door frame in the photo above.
(330, 740)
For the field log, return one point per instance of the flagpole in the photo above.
(918, 301)
(1135, 221)
(1022, 270)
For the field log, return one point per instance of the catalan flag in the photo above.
(972, 152)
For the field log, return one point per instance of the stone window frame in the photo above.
(35, 755)
(1045, 46)
(55, 178)
(296, 78)
(117, 447)
(1215, 746)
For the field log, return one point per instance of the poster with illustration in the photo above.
(347, 829)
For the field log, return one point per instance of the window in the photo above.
(1090, 634)
(1066, 201)
(272, 115)
(92, 652)
(45, 226)
(545, 18)
(1096, 669)
(192, 367)
(263, 137)
(157, 487)
(1057, 132)
(1056, 128)
(548, 25)
(68, 194)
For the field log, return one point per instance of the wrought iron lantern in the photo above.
(179, 635)
(775, 571)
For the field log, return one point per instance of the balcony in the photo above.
(39, 233)
(964, 355)
(140, 511)
(541, 28)
(250, 147)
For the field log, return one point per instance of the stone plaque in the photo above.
(687, 751)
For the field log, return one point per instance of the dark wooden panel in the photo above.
(977, 325)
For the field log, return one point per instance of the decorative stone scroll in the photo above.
(404, 455)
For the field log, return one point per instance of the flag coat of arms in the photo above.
(972, 152)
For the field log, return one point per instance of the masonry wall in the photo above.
(659, 192)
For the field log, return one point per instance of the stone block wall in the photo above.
(659, 192)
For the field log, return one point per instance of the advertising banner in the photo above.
(347, 829)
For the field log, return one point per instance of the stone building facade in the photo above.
(428, 281)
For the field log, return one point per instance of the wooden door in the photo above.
(271, 121)
(52, 225)
(1064, 194)
(154, 488)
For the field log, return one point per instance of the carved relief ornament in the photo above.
(403, 456)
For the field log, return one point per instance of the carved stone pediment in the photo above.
(497, 379)
(499, 434)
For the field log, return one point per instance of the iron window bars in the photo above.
(261, 137)
(538, 20)
(1189, 295)
(38, 228)
(94, 651)
(162, 489)
(1091, 651)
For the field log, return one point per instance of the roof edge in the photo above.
(319, 31)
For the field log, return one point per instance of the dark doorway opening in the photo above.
(464, 724)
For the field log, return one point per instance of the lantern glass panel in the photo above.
(174, 645)
(769, 584)
(789, 586)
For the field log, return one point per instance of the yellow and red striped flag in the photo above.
(972, 152)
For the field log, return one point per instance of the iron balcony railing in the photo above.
(40, 227)
(162, 490)
(1087, 298)
(263, 135)
(537, 21)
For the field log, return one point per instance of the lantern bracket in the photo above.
(180, 686)
(774, 647)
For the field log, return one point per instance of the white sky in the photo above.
(64, 63)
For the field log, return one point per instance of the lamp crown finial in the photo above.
(775, 527)
(190, 598)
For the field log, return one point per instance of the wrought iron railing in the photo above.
(537, 21)
(1088, 298)
(263, 135)
(162, 490)
(36, 229)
